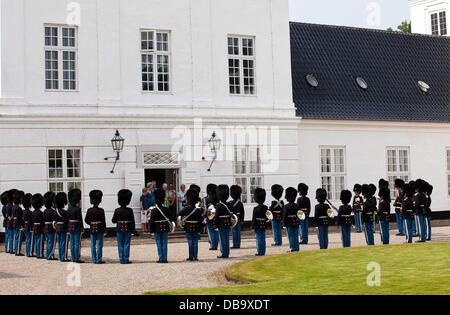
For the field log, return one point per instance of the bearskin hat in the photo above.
(373, 189)
(419, 185)
(383, 183)
(96, 197)
(408, 190)
(277, 191)
(303, 189)
(260, 196)
(17, 197)
(357, 188)
(428, 189)
(367, 191)
(60, 200)
(4, 198)
(26, 201)
(399, 183)
(11, 195)
(49, 199)
(346, 196)
(235, 192)
(291, 194)
(211, 188)
(192, 196)
(196, 188)
(124, 197)
(37, 201)
(321, 195)
(223, 193)
(385, 194)
(74, 197)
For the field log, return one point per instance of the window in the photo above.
(60, 58)
(248, 171)
(155, 61)
(439, 23)
(448, 170)
(332, 164)
(397, 167)
(64, 169)
(241, 65)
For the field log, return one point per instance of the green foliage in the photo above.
(405, 27)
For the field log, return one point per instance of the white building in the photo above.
(429, 16)
(167, 74)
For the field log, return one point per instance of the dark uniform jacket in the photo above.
(398, 202)
(60, 216)
(5, 211)
(158, 222)
(96, 215)
(27, 220)
(17, 217)
(407, 209)
(304, 204)
(124, 214)
(369, 209)
(344, 213)
(321, 214)
(74, 214)
(290, 218)
(277, 210)
(420, 204)
(428, 206)
(223, 216)
(259, 219)
(384, 210)
(9, 216)
(237, 208)
(358, 201)
(38, 221)
(49, 217)
(192, 224)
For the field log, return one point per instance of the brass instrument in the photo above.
(234, 220)
(149, 213)
(332, 213)
(301, 215)
(269, 215)
(211, 212)
(181, 221)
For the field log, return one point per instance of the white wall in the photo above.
(421, 11)
(366, 143)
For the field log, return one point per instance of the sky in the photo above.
(379, 14)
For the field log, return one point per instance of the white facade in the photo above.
(427, 16)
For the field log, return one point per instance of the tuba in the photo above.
(269, 215)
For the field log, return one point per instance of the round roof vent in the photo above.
(362, 83)
(424, 87)
(312, 81)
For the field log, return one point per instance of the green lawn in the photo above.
(405, 269)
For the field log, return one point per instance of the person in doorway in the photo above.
(181, 196)
(172, 198)
(145, 205)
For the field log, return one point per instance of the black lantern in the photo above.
(117, 144)
(214, 145)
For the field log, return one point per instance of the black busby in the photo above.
(192, 196)
(346, 196)
(223, 193)
(74, 197)
(383, 183)
(196, 188)
(408, 189)
(291, 194)
(367, 191)
(17, 197)
(399, 183)
(373, 188)
(303, 189)
(428, 189)
(4, 198)
(236, 192)
(419, 185)
(211, 191)
(26, 201)
(277, 191)
(96, 197)
(60, 200)
(357, 188)
(124, 197)
(49, 199)
(37, 201)
(260, 196)
(385, 194)
(160, 195)
(321, 195)
(11, 194)
(211, 188)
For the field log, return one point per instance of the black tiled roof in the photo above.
(391, 63)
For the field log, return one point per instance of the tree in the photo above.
(405, 27)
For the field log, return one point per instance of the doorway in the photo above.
(161, 176)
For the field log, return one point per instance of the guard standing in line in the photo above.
(304, 205)
(75, 224)
(428, 192)
(211, 200)
(368, 210)
(277, 211)
(259, 221)
(9, 216)
(399, 184)
(237, 208)
(420, 206)
(5, 205)
(125, 225)
(160, 225)
(38, 225)
(95, 218)
(192, 217)
(408, 211)
(291, 220)
(27, 224)
(222, 220)
(357, 207)
(384, 210)
(60, 218)
(17, 222)
(322, 219)
(49, 231)
(344, 218)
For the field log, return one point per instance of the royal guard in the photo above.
(322, 218)
(384, 211)
(420, 209)
(305, 206)
(408, 211)
(358, 201)
(191, 217)
(49, 230)
(291, 220)
(210, 201)
(237, 208)
(17, 222)
(9, 221)
(399, 184)
(5, 204)
(125, 225)
(160, 221)
(277, 211)
(75, 224)
(369, 209)
(37, 201)
(259, 221)
(95, 218)
(60, 224)
(28, 224)
(415, 228)
(345, 218)
(222, 220)
(428, 192)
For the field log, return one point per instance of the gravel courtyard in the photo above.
(21, 275)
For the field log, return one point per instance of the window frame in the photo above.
(438, 16)
(60, 49)
(333, 174)
(248, 175)
(393, 175)
(65, 179)
(154, 52)
(241, 57)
